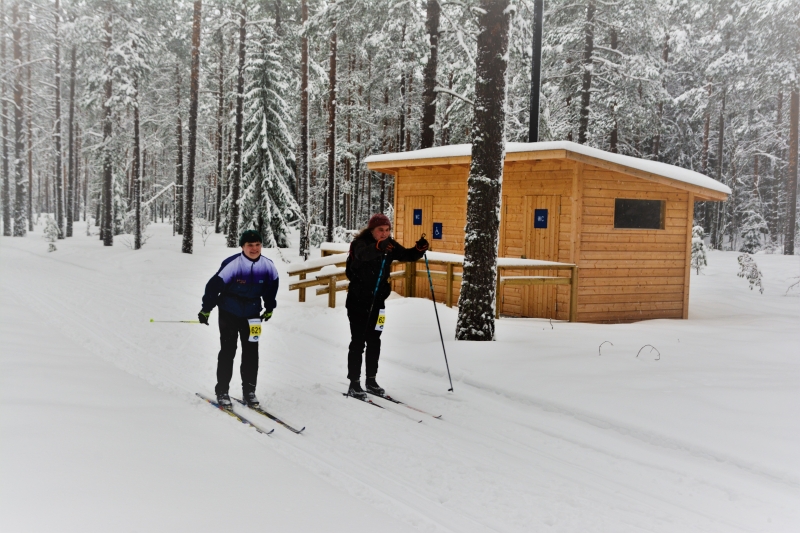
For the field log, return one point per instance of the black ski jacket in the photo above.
(363, 265)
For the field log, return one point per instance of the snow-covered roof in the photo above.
(671, 172)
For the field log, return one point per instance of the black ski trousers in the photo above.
(362, 331)
(231, 329)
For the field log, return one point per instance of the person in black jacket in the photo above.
(368, 268)
(238, 288)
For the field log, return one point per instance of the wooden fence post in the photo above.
(302, 292)
(332, 291)
(573, 295)
(449, 284)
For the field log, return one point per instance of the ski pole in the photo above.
(175, 321)
(433, 298)
(375, 294)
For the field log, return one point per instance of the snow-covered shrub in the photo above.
(753, 227)
(342, 234)
(51, 233)
(749, 269)
(698, 249)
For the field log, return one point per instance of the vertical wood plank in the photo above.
(301, 292)
(332, 292)
(449, 294)
(688, 258)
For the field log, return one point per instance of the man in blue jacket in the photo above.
(241, 283)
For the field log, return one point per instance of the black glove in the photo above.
(385, 246)
(266, 315)
(423, 245)
(203, 317)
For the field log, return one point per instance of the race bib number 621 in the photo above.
(381, 320)
(255, 329)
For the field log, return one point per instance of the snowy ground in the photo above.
(100, 429)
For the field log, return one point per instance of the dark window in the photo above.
(638, 214)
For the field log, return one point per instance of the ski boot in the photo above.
(373, 387)
(250, 399)
(224, 401)
(356, 391)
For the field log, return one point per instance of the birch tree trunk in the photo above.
(478, 286)
(429, 76)
(302, 186)
(194, 89)
(235, 177)
(586, 88)
(20, 192)
(106, 232)
(71, 141)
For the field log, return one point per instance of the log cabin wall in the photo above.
(632, 274)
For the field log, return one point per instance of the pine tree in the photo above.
(699, 260)
(188, 224)
(268, 147)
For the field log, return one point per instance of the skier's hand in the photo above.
(266, 315)
(385, 246)
(423, 245)
(203, 317)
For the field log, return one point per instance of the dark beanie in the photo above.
(378, 219)
(250, 235)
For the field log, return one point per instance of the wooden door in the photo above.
(542, 215)
(418, 220)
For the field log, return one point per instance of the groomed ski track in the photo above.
(502, 459)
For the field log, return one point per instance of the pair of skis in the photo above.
(393, 400)
(247, 421)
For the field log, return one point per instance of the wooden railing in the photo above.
(333, 280)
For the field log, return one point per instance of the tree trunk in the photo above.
(331, 203)
(235, 176)
(477, 301)
(178, 222)
(716, 223)
(29, 124)
(136, 172)
(20, 192)
(71, 142)
(586, 88)
(302, 186)
(614, 137)
(4, 120)
(107, 235)
(791, 179)
(429, 76)
(194, 89)
(536, 71)
(665, 60)
(220, 133)
(57, 129)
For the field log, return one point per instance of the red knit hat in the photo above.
(378, 219)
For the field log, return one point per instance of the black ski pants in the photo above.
(231, 329)
(362, 331)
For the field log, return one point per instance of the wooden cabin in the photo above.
(626, 223)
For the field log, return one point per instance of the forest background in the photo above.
(104, 116)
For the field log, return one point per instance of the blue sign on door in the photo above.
(417, 217)
(540, 218)
(437, 230)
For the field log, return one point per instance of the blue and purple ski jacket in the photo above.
(240, 284)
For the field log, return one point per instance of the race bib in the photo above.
(255, 329)
(381, 320)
